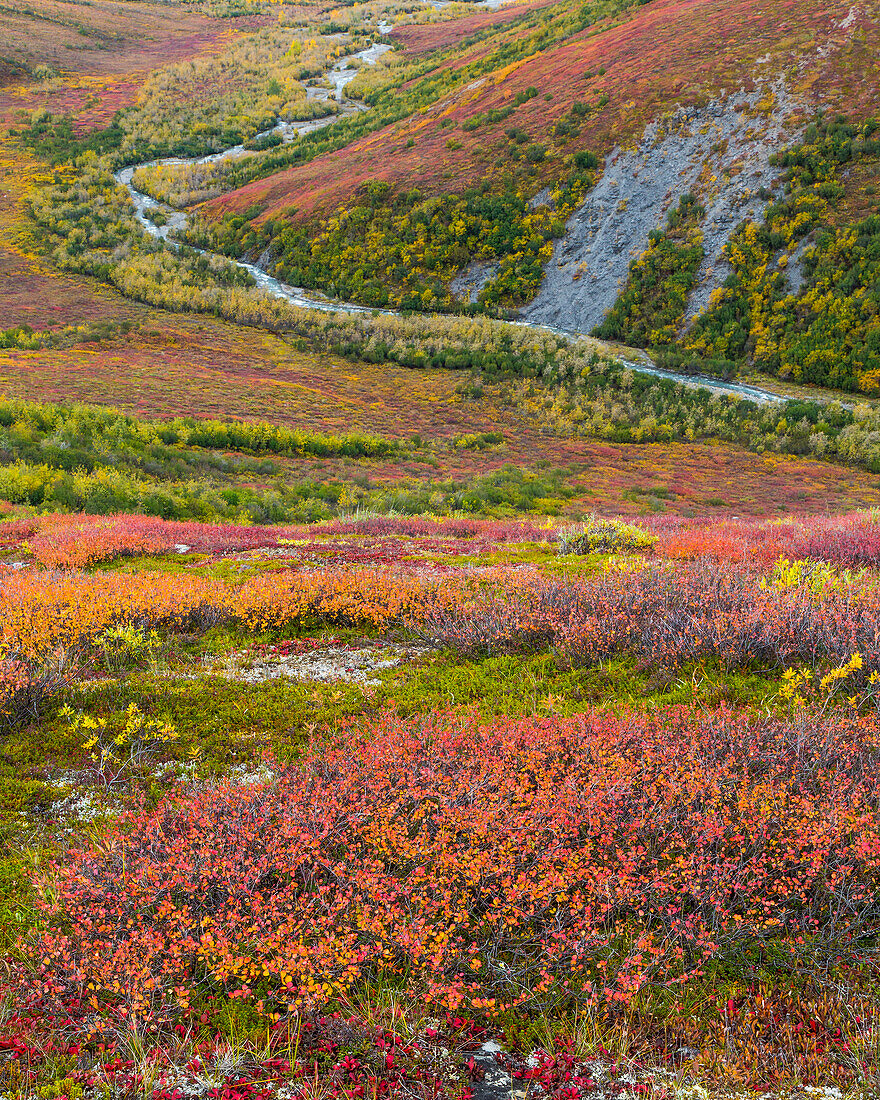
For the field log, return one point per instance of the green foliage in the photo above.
(125, 645)
(263, 142)
(488, 118)
(83, 458)
(88, 226)
(526, 684)
(55, 139)
(136, 742)
(827, 332)
(22, 337)
(84, 437)
(401, 250)
(600, 535)
(651, 307)
(230, 721)
(95, 460)
(607, 401)
(568, 127)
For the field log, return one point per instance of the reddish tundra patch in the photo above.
(202, 367)
(665, 53)
(425, 37)
(99, 54)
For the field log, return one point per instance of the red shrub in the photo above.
(852, 540)
(73, 542)
(445, 527)
(483, 866)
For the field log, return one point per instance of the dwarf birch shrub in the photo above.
(483, 867)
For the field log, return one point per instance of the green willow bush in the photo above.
(597, 535)
(651, 307)
(402, 249)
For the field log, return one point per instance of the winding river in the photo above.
(338, 77)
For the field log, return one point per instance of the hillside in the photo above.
(649, 55)
(526, 161)
(479, 123)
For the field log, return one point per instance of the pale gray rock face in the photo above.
(720, 153)
(468, 283)
(795, 271)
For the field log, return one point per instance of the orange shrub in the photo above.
(342, 597)
(481, 867)
(73, 542)
(43, 613)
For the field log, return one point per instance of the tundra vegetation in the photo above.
(612, 797)
(377, 686)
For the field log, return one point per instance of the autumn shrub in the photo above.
(117, 750)
(125, 644)
(364, 598)
(851, 540)
(47, 613)
(811, 576)
(77, 541)
(600, 535)
(667, 617)
(584, 859)
(457, 527)
(72, 542)
(14, 531)
(25, 684)
(510, 619)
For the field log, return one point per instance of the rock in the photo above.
(543, 198)
(468, 283)
(632, 198)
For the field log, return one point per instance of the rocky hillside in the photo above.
(721, 152)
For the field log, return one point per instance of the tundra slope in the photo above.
(720, 152)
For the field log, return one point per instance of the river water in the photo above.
(338, 77)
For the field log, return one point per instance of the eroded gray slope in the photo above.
(719, 152)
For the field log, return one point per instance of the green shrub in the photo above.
(125, 645)
(599, 535)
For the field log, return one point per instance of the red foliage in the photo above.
(647, 60)
(850, 540)
(587, 857)
(75, 541)
(71, 542)
(446, 527)
(329, 1056)
(425, 37)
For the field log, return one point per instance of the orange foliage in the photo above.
(44, 613)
